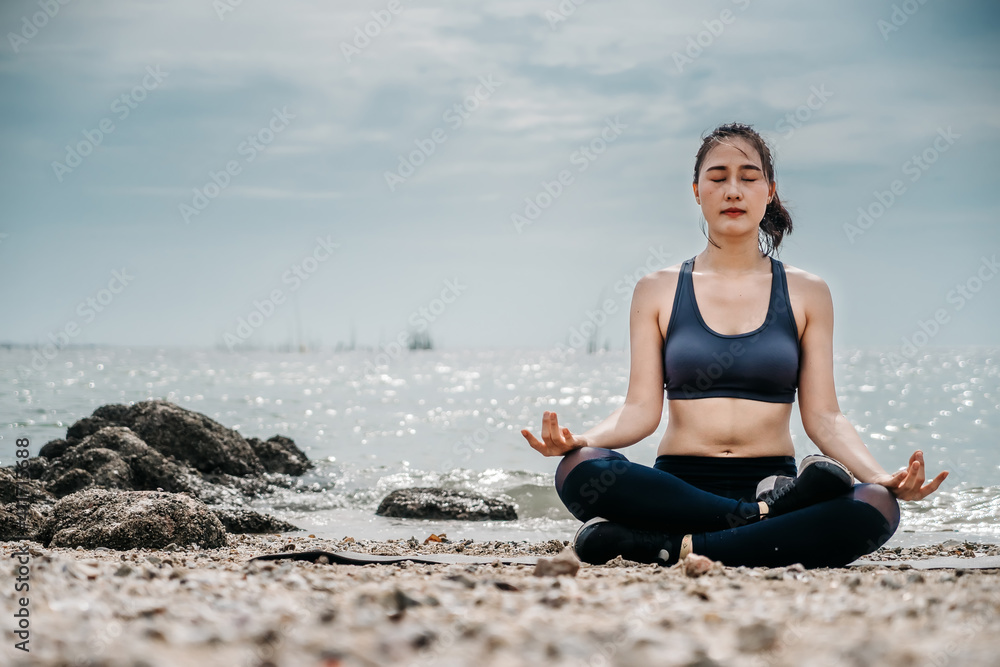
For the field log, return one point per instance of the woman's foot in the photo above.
(599, 540)
(820, 478)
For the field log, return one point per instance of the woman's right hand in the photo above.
(556, 441)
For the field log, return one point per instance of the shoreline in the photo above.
(210, 606)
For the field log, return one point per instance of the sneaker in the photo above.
(769, 485)
(820, 478)
(599, 540)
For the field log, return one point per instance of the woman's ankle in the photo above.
(687, 547)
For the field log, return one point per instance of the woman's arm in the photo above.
(822, 418)
(643, 408)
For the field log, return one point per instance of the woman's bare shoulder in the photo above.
(802, 280)
(659, 285)
(668, 274)
(810, 296)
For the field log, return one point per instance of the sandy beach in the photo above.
(184, 605)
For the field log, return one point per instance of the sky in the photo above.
(495, 174)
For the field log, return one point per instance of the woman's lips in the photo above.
(733, 213)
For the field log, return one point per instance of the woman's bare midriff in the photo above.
(722, 426)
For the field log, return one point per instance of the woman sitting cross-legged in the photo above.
(729, 335)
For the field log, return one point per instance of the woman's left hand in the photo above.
(908, 484)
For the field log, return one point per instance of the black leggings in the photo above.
(712, 498)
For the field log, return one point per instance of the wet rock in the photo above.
(86, 426)
(35, 467)
(20, 522)
(15, 487)
(53, 449)
(114, 458)
(71, 481)
(187, 436)
(566, 562)
(131, 520)
(240, 520)
(115, 413)
(245, 486)
(188, 439)
(280, 454)
(437, 503)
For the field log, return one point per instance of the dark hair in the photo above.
(776, 222)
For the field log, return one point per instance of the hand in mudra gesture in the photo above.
(908, 483)
(555, 441)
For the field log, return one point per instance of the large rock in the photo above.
(436, 503)
(116, 413)
(185, 435)
(190, 438)
(280, 454)
(142, 447)
(86, 426)
(113, 458)
(19, 522)
(23, 504)
(18, 488)
(132, 520)
(239, 520)
(71, 481)
(53, 449)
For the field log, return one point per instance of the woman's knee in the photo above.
(881, 499)
(884, 501)
(578, 456)
(571, 494)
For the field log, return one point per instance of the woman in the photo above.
(725, 483)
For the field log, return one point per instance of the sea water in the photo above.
(375, 422)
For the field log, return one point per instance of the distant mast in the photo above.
(298, 325)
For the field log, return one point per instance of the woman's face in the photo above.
(732, 177)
